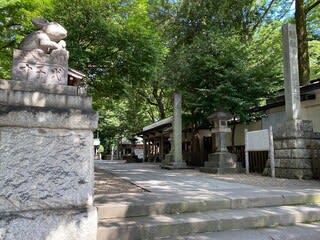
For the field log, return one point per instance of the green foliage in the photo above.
(15, 16)
(222, 74)
(136, 53)
(314, 51)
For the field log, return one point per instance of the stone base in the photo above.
(78, 224)
(180, 165)
(45, 168)
(221, 162)
(293, 143)
(170, 163)
(222, 170)
(39, 67)
(167, 160)
(46, 163)
(290, 173)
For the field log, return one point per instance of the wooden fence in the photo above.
(315, 163)
(257, 160)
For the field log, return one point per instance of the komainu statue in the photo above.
(48, 36)
(42, 56)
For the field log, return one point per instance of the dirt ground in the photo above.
(107, 183)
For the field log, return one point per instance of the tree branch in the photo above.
(311, 6)
(147, 98)
(263, 16)
(8, 44)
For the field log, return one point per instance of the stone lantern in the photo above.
(220, 122)
(221, 161)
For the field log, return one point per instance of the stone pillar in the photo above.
(291, 72)
(177, 135)
(177, 132)
(294, 137)
(46, 162)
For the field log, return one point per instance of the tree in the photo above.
(15, 16)
(115, 44)
(302, 10)
(223, 55)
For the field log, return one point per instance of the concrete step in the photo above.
(135, 205)
(156, 226)
(299, 232)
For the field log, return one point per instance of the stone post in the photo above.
(294, 136)
(177, 131)
(291, 72)
(176, 160)
(46, 162)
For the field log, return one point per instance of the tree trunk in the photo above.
(158, 96)
(303, 55)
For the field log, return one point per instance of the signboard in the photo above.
(96, 142)
(258, 140)
(261, 140)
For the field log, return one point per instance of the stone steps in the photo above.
(155, 226)
(112, 206)
(298, 232)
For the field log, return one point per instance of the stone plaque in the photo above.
(40, 67)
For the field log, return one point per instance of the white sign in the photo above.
(258, 140)
(139, 153)
(96, 142)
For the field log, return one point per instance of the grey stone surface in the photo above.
(221, 160)
(45, 168)
(293, 143)
(290, 173)
(222, 163)
(293, 153)
(32, 117)
(64, 224)
(221, 220)
(293, 149)
(174, 159)
(291, 72)
(47, 37)
(36, 87)
(222, 205)
(39, 99)
(37, 66)
(294, 129)
(293, 163)
(177, 130)
(299, 232)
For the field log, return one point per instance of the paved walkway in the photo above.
(162, 184)
(227, 200)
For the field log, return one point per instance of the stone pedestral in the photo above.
(39, 67)
(293, 149)
(46, 162)
(221, 163)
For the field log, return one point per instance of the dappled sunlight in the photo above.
(180, 204)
